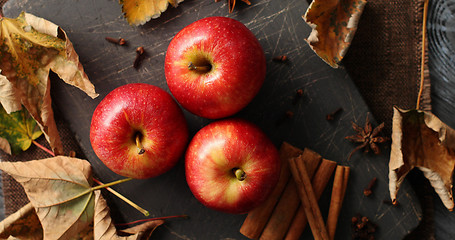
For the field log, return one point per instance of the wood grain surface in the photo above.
(441, 46)
(280, 29)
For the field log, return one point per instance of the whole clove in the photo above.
(139, 54)
(298, 96)
(331, 116)
(362, 228)
(287, 115)
(369, 189)
(118, 41)
(282, 59)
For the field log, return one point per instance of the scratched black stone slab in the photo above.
(280, 29)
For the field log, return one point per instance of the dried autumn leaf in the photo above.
(333, 26)
(23, 224)
(138, 12)
(18, 129)
(104, 228)
(9, 97)
(421, 140)
(31, 46)
(59, 190)
(4, 145)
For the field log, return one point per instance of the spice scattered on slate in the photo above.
(362, 228)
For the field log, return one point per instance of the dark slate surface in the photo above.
(281, 30)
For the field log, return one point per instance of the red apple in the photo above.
(138, 131)
(231, 166)
(214, 67)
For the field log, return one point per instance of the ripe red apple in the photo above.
(138, 131)
(231, 166)
(214, 67)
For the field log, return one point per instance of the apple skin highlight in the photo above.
(141, 114)
(232, 61)
(214, 155)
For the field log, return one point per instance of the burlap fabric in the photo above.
(384, 57)
(383, 61)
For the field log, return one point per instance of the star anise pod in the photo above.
(231, 4)
(367, 137)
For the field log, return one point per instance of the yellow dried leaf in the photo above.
(334, 24)
(30, 47)
(421, 140)
(19, 129)
(138, 12)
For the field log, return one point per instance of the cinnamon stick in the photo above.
(338, 191)
(320, 180)
(308, 198)
(257, 218)
(284, 212)
(282, 215)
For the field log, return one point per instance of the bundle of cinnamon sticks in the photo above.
(293, 203)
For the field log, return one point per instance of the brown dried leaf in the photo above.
(104, 228)
(421, 140)
(4, 145)
(138, 12)
(334, 24)
(30, 47)
(59, 190)
(9, 97)
(23, 224)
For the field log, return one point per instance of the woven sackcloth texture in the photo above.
(385, 56)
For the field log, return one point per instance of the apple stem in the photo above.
(239, 174)
(143, 211)
(140, 148)
(199, 68)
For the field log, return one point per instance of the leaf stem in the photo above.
(143, 211)
(422, 60)
(110, 184)
(92, 189)
(150, 219)
(43, 148)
